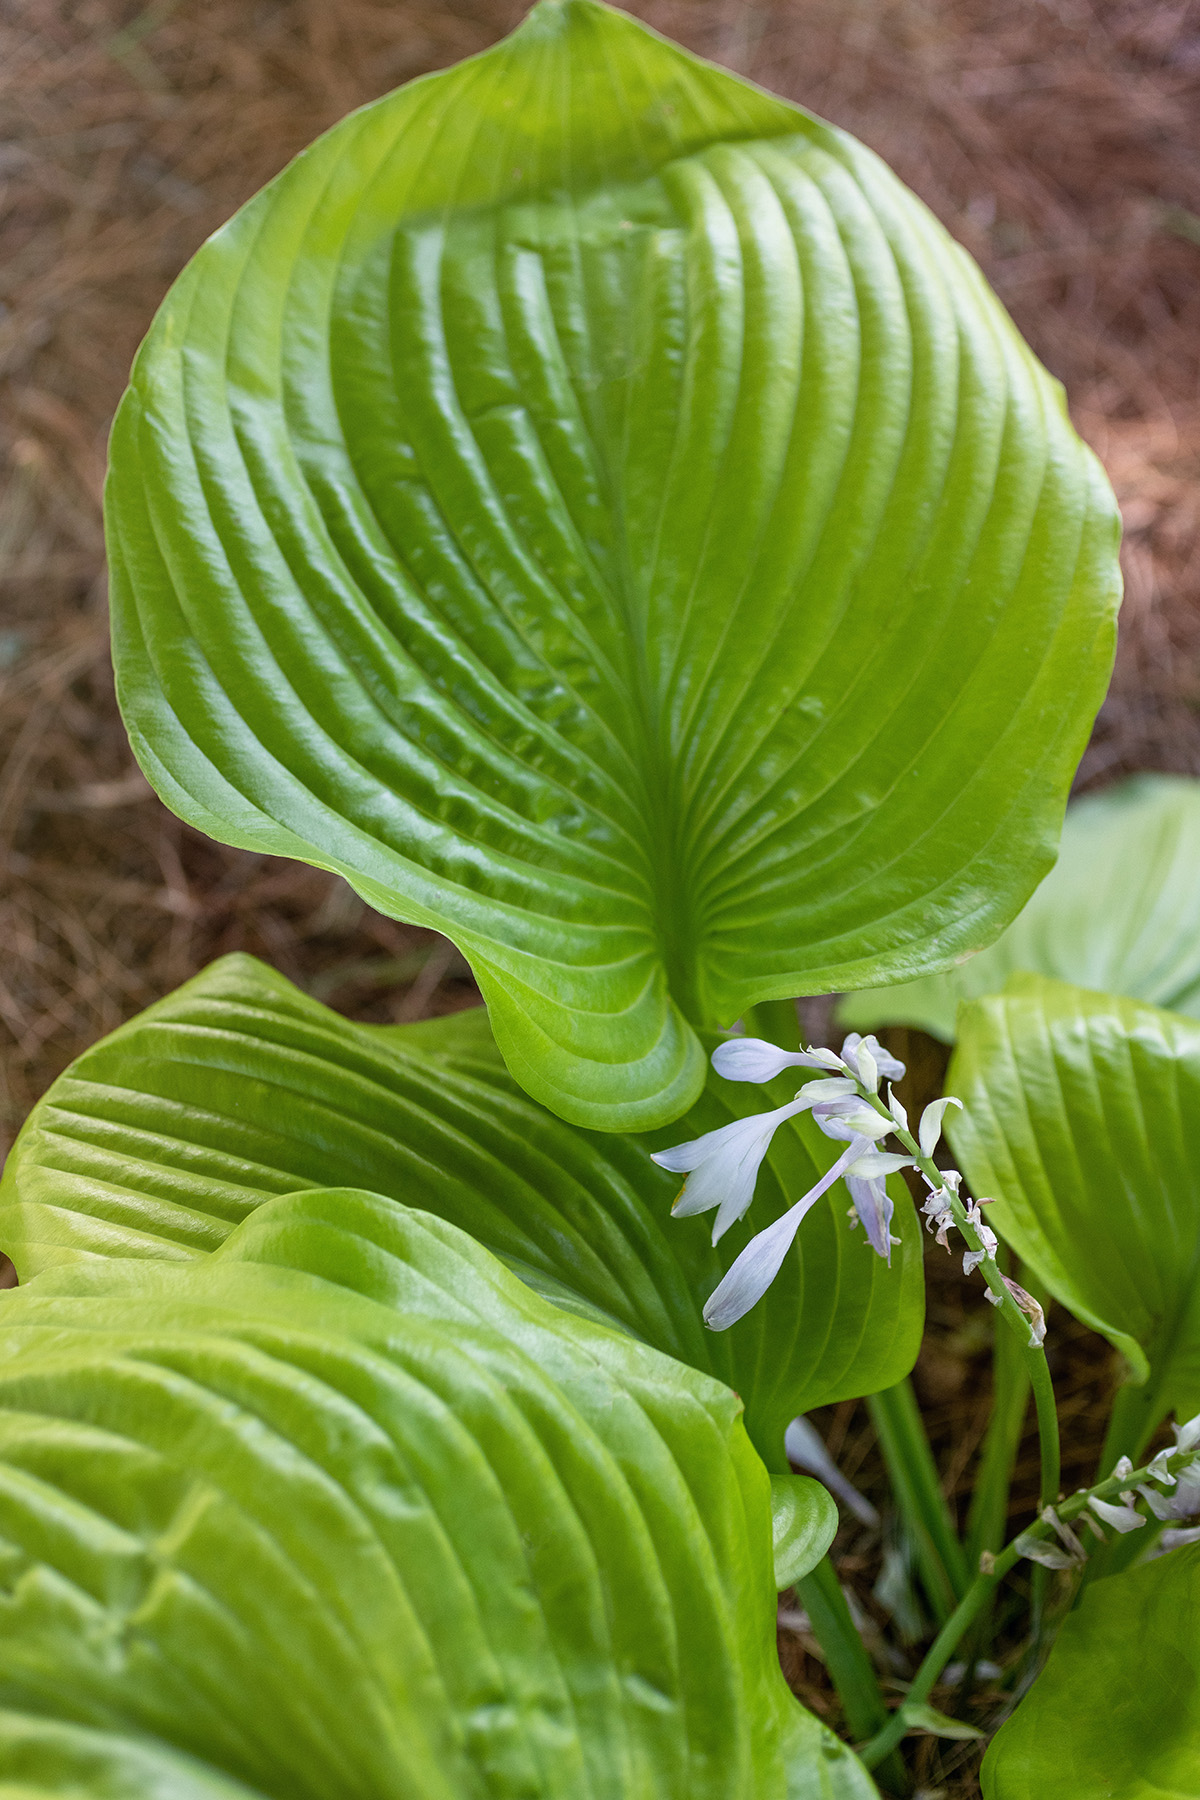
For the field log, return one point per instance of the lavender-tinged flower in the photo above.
(753, 1059)
(1184, 1503)
(722, 1166)
(1177, 1540)
(759, 1263)
(875, 1210)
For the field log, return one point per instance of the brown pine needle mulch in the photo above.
(1056, 138)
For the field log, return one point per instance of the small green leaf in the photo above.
(594, 507)
(1116, 913)
(1116, 1710)
(1081, 1116)
(919, 1716)
(804, 1522)
(162, 1137)
(819, 1765)
(343, 1508)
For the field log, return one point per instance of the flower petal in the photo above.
(722, 1166)
(1176, 1540)
(754, 1059)
(831, 1087)
(882, 1060)
(874, 1208)
(874, 1162)
(931, 1123)
(868, 1072)
(1121, 1518)
(751, 1275)
(805, 1448)
(849, 1118)
(1187, 1436)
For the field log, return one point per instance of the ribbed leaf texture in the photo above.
(162, 1137)
(592, 505)
(1081, 1114)
(345, 1509)
(1116, 1711)
(1117, 913)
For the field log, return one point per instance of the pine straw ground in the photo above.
(1055, 138)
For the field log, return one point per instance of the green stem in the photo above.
(938, 1655)
(850, 1668)
(977, 1595)
(914, 1477)
(846, 1658)
(1010, 1398)
(1038, 1371)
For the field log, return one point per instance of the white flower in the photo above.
(867, 1059)
(1122, 1518)
(849, 1117)
(1176, 1540)
(759, 1263)
(722, 1166)
(931, 1123)
(1159, 1505)
(1187, 1436)
(1159, 1470)
(753, 1059)
(1184, 1503)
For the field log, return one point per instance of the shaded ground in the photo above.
(1055, 137)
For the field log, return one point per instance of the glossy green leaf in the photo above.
(237, 1087)
(345, 1509)
(43, 1757)
(804, 1522)
(1115, 1714)
(1081, 1114)
(1117, 913)
(593, 506)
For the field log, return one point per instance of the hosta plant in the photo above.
(590, 505)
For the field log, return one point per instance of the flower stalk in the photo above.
(1052, 1524)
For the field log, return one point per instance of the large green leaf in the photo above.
(238, 1087)
(1081, 1114)
(1115, 1714)
(345, 1509)
(1117, 912)
(593, 505)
